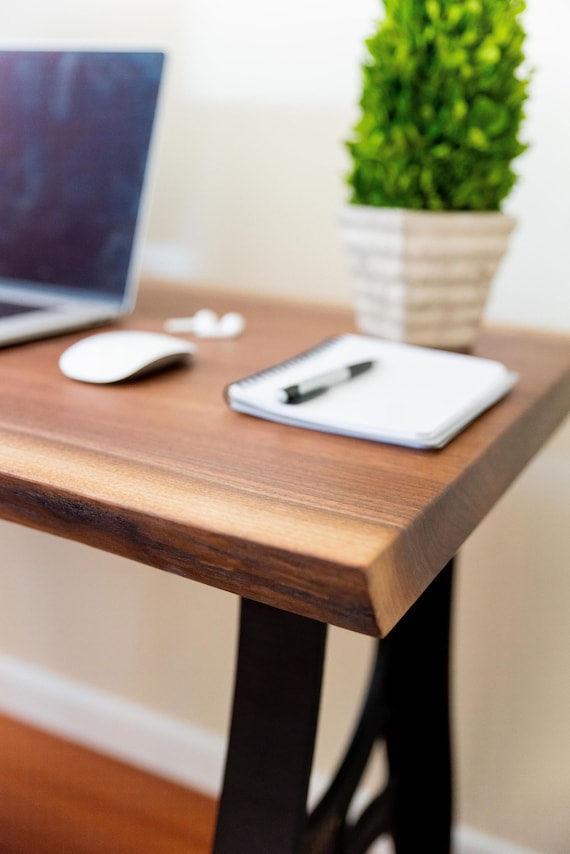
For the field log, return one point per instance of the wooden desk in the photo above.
(310, 529)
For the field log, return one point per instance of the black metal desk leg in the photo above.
(418, 728)
(406, 707)
(276, 704)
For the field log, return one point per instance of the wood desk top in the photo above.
(338, 529)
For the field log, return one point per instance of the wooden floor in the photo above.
(58, 798)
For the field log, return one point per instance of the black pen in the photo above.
(313, 386)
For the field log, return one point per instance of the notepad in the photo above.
(412, 396)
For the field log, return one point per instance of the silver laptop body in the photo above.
(76, 131)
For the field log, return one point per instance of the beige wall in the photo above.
(247, 191)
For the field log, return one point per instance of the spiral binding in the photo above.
(289, 363)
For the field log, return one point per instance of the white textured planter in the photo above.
(422, 276)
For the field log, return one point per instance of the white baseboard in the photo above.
(466, 840)
(152, 740)
(470, 841)
(134, 733)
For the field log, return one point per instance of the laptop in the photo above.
(76, 130)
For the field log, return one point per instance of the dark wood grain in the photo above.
(337, 529)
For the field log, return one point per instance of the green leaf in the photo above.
(433, 9)
(489, 53)
(476, 138)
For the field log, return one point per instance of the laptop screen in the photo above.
(75, 129)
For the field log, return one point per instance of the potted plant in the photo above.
(441, 108)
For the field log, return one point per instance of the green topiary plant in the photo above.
(442, 104)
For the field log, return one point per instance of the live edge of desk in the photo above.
(343, 531)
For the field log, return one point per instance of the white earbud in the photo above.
(231, 324)
(206, 324)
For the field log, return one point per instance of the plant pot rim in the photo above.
(356, 215)
(423, 212)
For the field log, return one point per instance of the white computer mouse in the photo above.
(112, 357)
